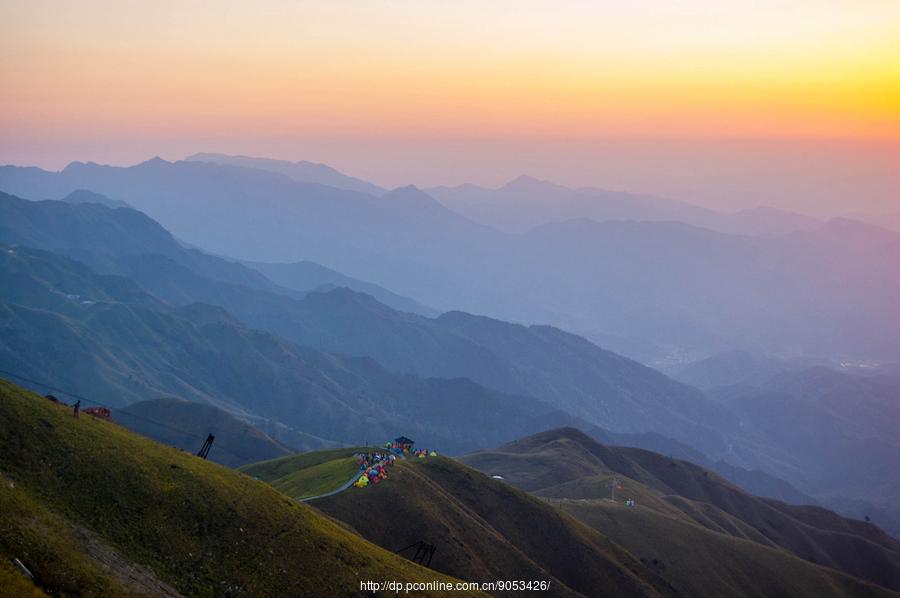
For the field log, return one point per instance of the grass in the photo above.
(200, 527)
(273, 469)
(700, 562)
(484, 530)
(318, 479)
(598, 487)
(566, 463)
(49, 546)
(308, 474)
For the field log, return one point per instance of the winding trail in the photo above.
(343, 487)
(338, 490)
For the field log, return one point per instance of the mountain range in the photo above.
(562, 369)
(679, 288)
(550, 371)
(301, 171)
(526, 203)
(103, 336)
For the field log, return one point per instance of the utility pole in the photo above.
(424, 552)
(207, 444)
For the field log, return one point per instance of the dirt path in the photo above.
(133, 576)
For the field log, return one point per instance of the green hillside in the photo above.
(184, 425)
(307, 474)
(93, 509)
(702, 563)
(567, 464)
(485, 530)
(483, 527)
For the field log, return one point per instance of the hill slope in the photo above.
(483, 528)
(185, 424)
(701, 562)
(79, 489)
(568, 464)
(837, 434)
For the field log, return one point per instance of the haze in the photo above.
(793, 104)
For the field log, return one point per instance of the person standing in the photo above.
(76, 408)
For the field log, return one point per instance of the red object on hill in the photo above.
(101, 412)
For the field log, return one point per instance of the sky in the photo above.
(729, 104)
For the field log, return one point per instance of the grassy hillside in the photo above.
(185, 424)
(565, 463)
(485, 530)
(307, 474)
(484, 527)
(88, 505)
(699, 562)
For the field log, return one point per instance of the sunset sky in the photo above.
(434, 92)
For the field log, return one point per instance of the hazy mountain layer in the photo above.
(562, 369)
(570, 373)
(103, 337)
(301, 171)
(525, 203)
(680, 287)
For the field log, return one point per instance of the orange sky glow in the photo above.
(119, 82)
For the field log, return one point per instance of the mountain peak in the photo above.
(154, 161)
(526, 183)
(406, 190)
(302, 171)
(77, 165)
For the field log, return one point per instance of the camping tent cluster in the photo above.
(403, 446)
(372, 466)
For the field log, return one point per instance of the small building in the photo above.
(404, 443)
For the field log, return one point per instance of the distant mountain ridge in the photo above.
(123, 243)
(103, 337)
(301, 171)
(564, 370)
(308, 276)
(526, 202)
(85, 196)
(682, 288)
